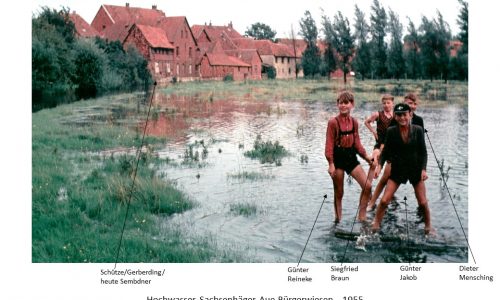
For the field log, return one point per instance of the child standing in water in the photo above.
(412, 101)
(383, 119)
(405, 148)
(342, 145)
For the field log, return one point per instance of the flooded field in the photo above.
(266, 210)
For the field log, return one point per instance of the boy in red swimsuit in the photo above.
(341, 147)
(383, 118)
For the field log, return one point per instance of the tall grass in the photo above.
(79, 197)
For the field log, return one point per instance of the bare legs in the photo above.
(338, 187)
(380, 187)
(390, 189)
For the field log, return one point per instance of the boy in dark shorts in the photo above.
(341, 147)
(412, 101)
(383, 119)
(405, 148)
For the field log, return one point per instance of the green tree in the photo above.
(429, 47)
(260, 31)
(338, 35)
(460, 63)
(378, 25)
(329, 61)
(395, 59)
(412, 52)
(52, 68)
(436, 36)
(310, 57)
(463, 23)
(89, 62)
(362, 60)
(444, 37)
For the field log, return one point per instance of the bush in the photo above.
(228, 77)
(267, 152)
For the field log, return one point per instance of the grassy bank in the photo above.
(323, 90)
(79, 191)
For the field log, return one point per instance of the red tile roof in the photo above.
(171, 26)
(155, 37)
(216, 32)
(245, 43)
(117, 31)
(221, 59)
(83, 28)
(300, 45)
(281, 50)
(245, 55)
(146, 16)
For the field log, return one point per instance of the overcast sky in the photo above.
(280, 15)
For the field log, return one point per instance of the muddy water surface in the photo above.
(279, 202)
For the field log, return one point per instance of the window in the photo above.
(177, 69)
(190, 51)
(289, 70)
(177, 51)
(282, 60)
(289, 60)
(276, 60)
(168, 68)
(157, 68)
(190, 68)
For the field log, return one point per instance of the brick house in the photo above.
(116, 23)
(219, 40)
(153, 44)
(297, 47)
(275, 55)
(186, 50)
(251, 57)
(219, 65)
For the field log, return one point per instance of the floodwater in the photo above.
(287, 196)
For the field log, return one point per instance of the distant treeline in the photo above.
(66, 68)
(376, 48)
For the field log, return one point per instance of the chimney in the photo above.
(154, 6)
(230, 24)
(127, 4)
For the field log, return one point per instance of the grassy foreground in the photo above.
(79, 192)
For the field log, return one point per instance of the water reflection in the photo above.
(286, 198)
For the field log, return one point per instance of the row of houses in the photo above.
(174, 49)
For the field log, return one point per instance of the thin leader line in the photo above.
(135, 174)
(356, 215)
(449, 194)
(407, 233)
(303, 250)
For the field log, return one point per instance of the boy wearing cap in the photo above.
(405, 148)
(412, 101)
(342, 145)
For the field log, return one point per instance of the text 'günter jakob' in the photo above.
(342, 273)
(297, 274)
(409, 272)
(130, 276)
